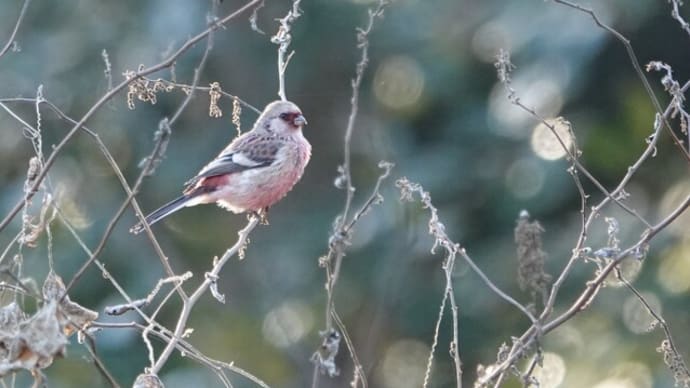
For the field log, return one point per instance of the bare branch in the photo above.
(11, 40)
(343, 227)
(110, 94)
(283, 38)
(675, 13)
(636, 66)
(189, 303)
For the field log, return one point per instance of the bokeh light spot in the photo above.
(488, 39)
(398, 82)
(404, 364)
(546, 145)
(674, 270)
(552, 371)
(525, 178)
(287, 323)
(628, 375)
(635, 315)
(615, 383)
(540, 88)
(673, 197)
(629, 268)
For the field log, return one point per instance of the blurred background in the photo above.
(432, 105)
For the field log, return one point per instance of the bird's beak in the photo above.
(299, 121)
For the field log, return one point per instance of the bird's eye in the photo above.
(284, 116)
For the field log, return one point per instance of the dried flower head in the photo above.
(531, 257)
(144, 89)
(215, 94)
(236, 113)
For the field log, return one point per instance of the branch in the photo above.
(283, 38)
(110, 94)
(10, 40)
(635, 64)
(210, 280)
(343, 225)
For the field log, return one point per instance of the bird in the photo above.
(256, 170)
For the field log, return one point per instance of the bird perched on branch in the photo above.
(255, 171)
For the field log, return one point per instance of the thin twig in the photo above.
(636, 66)
(188, 87)
(283, 38)
(209, 280)
(109, 95)
(675, 13)
(113, 165)
(13, 35)
(343, 226)
(531, 335)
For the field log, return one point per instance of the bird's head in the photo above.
(282, 117)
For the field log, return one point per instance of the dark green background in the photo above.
(449, 139)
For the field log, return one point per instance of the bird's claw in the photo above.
(262, 215)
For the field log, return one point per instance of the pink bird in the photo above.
(255, 171)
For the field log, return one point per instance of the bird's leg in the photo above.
(261, 214)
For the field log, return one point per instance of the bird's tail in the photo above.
(162, 212)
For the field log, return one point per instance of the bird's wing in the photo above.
(249, 153)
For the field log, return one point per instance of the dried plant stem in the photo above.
(283, 38)
(111, 162)
(191, 351)
(441, 239)
(209, 280)
(533, 333)
(203, 89)
(344, 225)
(13, 35)
(585, 298)
(635, 64)
(110, 94)
(343, 228)
(675, 13)
(659, 319)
